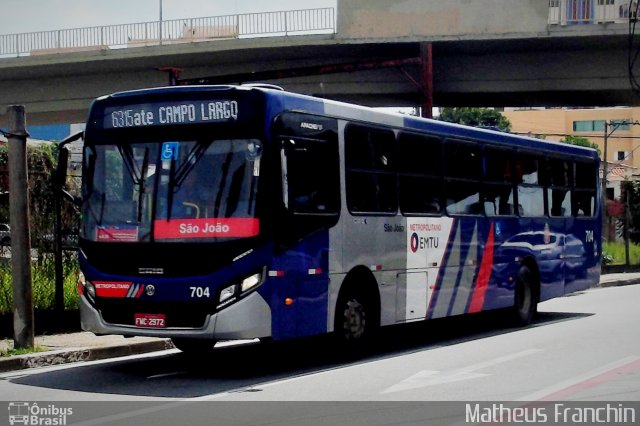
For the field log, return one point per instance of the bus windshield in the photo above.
(178, 191)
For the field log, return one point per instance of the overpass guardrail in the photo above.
(573, 12)
(167, 32)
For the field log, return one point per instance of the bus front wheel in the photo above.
(525, 304)
(355, 322)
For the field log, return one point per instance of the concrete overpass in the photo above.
(483, 53)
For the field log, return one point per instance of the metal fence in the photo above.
(293, 22)
(572, 12)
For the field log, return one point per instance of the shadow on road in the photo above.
(244, 368)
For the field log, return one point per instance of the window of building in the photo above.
(621, 155)
(588, 126)
(370, 170)
(621, 124)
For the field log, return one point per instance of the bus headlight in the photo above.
(231, 293)
(250, 282)
(86, 288)
(228, 293)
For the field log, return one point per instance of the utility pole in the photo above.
(23, 329)
(605, 220)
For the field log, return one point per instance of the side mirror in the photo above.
(61, 170)
(60, 174)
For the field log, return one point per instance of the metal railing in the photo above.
(573, 12)
(293, 22)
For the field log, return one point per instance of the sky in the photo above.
(45, 15)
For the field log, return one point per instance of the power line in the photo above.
(571, 134)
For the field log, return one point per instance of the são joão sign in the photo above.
(171, 113)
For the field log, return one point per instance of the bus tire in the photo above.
(525, 298)
(356, 320)
(194, 346)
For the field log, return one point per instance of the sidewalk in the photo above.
(85, 346)
(620, 279)
(79, 346)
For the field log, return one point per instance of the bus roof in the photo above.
(311, 104)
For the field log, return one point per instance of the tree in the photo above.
(485, 117)
(41, 161)
(580, 141)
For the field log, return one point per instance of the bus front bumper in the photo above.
(249, 318)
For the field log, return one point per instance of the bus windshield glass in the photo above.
(177, 191)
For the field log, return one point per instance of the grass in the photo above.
(617, 252)
(22, 351)
(43, 283)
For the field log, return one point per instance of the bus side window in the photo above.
(498, 182)
(420, 173)
(370, 170)
(463, 171)
(530, 191)
(559, 182)
(584, 193)
(313, 177)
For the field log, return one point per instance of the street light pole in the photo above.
(605, 221)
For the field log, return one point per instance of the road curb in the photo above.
(42, 359)
(620, 283)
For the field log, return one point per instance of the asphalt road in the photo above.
(584, 347)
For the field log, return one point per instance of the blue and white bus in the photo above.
(237, 212)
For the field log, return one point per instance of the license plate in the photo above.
(150, 320)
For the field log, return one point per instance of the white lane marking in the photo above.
(430, 377)
(162, 375)
(541, 394)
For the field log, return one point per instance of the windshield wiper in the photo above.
(137, 174)
(179, 174)
(223, 182)
(190, 162)
(143, 179)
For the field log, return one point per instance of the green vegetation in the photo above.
(617, 254)
(580, 141)
(485, 117)
(41, 163)
(22, 351)
(43, 281)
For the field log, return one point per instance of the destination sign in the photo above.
(169, 113)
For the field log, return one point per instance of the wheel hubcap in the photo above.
(355, 320)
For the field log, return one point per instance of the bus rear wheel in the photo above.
(525, 301)
(194, 346)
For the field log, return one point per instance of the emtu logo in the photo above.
(421, 243)
(415, 241)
